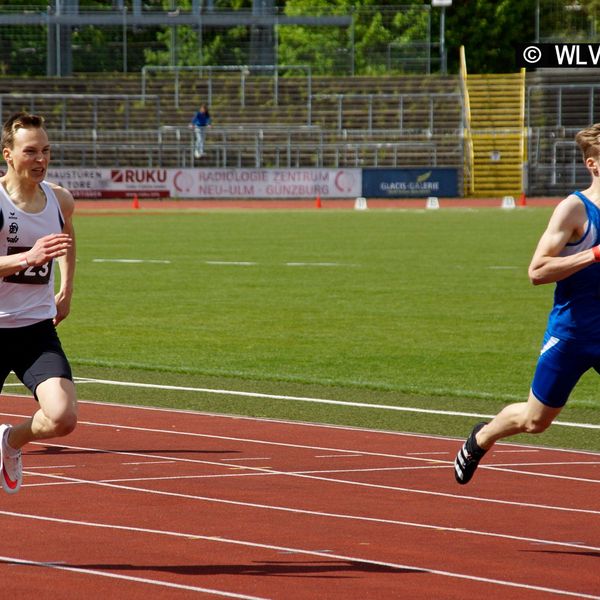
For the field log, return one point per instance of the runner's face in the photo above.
(30, 154)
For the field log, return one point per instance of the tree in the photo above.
(22, 49)
(385, 37)
(489, 32)
(188, 46)
(379, 29)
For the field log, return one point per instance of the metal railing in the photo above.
(358, 153)
(560, 101)
(570, 164)
(427, 115)
(523, 134)
(469, 163)
(555, 164)
(555, 113)
(261, 146)
(65, 109)
(243, 70)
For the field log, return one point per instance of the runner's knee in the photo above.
(64, 423)
(535, 425)
(61, 420)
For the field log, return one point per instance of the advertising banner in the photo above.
(209, 183)
(410, 183)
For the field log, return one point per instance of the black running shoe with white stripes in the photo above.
(468, 457)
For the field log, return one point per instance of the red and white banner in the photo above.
(209, 183)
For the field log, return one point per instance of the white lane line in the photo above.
(157, 478)
(431, 460)
(370, 469)
(338, 455)
(37, 468)
(134, 261)
(262, 473)
(222, 475)
(320, 426)
(119, 427)
(303, 551)
(427, 453)
(237, 263)
(316, 264)
(528, 450)
(327, 426)
(337, 481)
(345, 451)
(244, 459)
(317, 401)
(327, 515)
(271, 471)
(545, 464)
(249, 263)
(150, 462)
(97, 573)
(537, 474)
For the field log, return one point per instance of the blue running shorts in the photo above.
(559, 368)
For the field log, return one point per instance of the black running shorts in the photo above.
(34, 353)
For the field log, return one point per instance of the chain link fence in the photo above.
(67, 37)
(560, 21)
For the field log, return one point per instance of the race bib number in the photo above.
(31, 275)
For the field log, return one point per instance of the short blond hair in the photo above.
(588, 140)
(20, 120)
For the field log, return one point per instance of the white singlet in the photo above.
(27, 297)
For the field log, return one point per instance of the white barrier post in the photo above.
(508, 202)
(432, 203)
(360, 203)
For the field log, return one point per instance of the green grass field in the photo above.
(419, 309)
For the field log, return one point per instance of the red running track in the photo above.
(148, 503)
(91, 206)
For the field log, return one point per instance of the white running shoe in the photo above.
(197, 154)
(12, 466)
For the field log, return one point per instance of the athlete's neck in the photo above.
(25, 195)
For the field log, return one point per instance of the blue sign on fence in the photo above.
(410, 183)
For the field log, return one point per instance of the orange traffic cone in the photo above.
(522, 199)
(136, 202)
(318, 201)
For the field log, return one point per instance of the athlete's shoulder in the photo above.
(64, 197)
(573, 206)
(569, 217)
(573, 199)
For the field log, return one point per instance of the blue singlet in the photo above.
(572, 341)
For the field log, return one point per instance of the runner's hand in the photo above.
(48, 247)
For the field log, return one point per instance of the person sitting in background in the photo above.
(200, 122)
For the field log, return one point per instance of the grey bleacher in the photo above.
(262, 121)
(258, 121)
(559, 104)
(92, 110)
